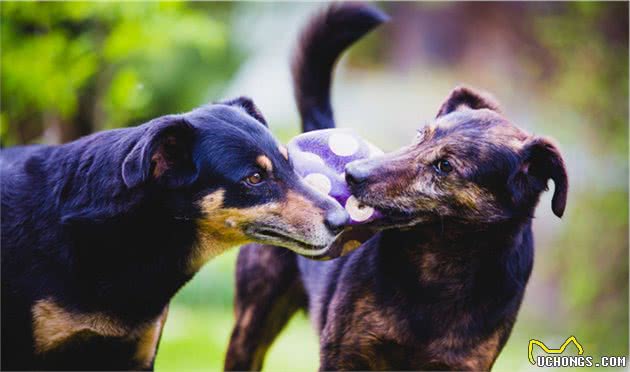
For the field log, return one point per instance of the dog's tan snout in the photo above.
(335, 217)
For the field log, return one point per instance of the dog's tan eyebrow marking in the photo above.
(212, 202)
(283, 151)
(265, 163)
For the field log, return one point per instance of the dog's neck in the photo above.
(456, 260)
(144, 258)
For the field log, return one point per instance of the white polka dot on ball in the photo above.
(343, 144)
(319, 182)
(356, 213)
(312, 157)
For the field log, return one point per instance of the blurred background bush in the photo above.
(559, 69)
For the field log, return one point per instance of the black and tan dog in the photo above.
(440, 288)
(99, 234)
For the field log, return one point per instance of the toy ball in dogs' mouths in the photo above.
(320, 157)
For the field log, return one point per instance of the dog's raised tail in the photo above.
(321, 43)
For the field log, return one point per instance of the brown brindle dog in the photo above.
(441, 285)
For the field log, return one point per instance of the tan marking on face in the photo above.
(149, 339)
(218, 230)
(53, 325)
(284, 152)
(265, 163)
(221, 228)
(300, 211)
(469, 195)
(225, 223)
(476, 203)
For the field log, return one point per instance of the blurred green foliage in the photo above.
(83, 66)
(588, 55)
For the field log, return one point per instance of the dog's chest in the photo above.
(401, 335)
(67, 339)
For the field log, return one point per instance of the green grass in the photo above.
(193, 339)
(196, 340)
(200, 320)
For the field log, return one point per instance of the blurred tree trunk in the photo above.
(54, 131)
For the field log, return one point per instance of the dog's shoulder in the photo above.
(23, 195)
(53, 180)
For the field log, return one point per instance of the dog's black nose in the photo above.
(355, 175)
(336, 220)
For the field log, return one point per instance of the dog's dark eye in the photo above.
(443, 166)
(254, 179)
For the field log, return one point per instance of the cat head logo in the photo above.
(547, 350)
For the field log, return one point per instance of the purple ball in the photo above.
(320, 157)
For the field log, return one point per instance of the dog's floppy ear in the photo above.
(248, 105)
(469, 98)
(162, 154)
(541, 161)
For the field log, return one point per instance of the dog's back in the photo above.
(22, 197)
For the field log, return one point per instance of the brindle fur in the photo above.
(441, 285)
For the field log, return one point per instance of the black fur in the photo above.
(109, 224)
(314, 61)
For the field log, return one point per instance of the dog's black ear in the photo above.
(248, 105)
(163, 154)
(468, 98)
(541, 161)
